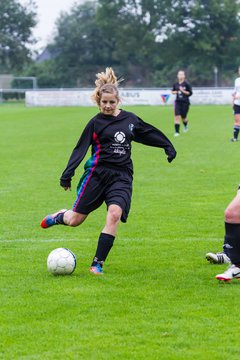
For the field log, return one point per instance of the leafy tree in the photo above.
(46, 74)
(125, 27)
(16, 23)
(146, 41)
(94, 35)
(155, 38)
(79, 47)
(201, 35)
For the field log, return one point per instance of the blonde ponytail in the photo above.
(106, 82)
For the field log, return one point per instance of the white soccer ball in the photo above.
(61, 261)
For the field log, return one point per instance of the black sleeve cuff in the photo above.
(171, 156)
(65, 182)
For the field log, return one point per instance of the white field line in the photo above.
(3, 241)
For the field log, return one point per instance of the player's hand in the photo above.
(171, 157)
(66, 184)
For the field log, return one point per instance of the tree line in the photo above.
(145, 41)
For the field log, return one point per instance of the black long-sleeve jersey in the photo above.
(181, 97)
(110, 138)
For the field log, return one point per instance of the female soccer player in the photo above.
(231, 247)
(183, 90)
(236, 108)
(109, 172)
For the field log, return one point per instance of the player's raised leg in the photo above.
(106, 239)
(63, 217)
(232, 240)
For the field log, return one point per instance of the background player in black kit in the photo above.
(183, 90)
(109, 172)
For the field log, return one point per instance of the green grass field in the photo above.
(158, 298)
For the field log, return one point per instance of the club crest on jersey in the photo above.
(119, 137)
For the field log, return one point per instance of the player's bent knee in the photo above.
(74, 223)
(76, 220)
(115, 214)
(230, 215)
(227, 215)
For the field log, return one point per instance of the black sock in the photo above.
(236, 132)
(59, 218)
(177, 128)
(105, 243)
(185, 123)
(231, 245)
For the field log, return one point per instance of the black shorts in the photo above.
(236, 109)
(112, 185)
(181, 109)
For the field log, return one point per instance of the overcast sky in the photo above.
(48, 11)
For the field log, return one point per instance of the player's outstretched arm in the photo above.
(77, 156)
(147, 134)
